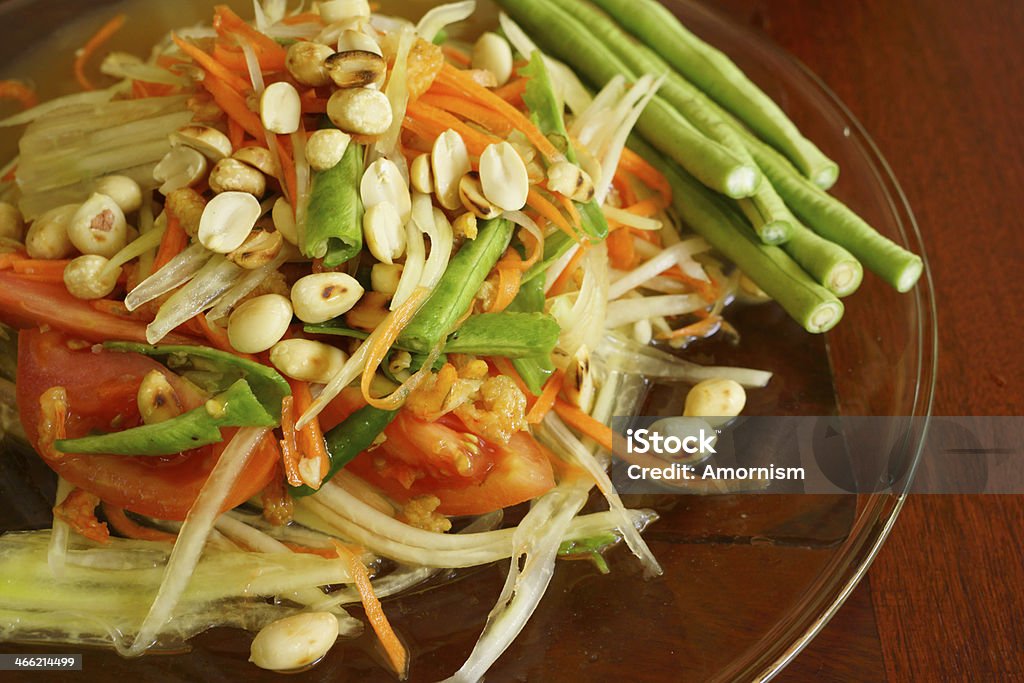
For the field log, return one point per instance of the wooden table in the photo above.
(937, 84)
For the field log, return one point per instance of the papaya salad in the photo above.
(303, 302)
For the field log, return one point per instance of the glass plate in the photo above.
(749, 580)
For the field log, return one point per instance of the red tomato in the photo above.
(470, 474)
(24, 303)
(101, 388)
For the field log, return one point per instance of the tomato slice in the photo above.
(25, 303)
(468, 473)
(101, 388)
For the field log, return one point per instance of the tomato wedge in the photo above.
(471, 475)
(25, 303)
(101, 388)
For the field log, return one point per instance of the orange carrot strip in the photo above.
(536, 201)
(218, 337)
(452, 76)
(645, 207)
(233, 59)
(270, 55)
(576, 418)
(650, 176)
(563, 279)
(235, 133)
(513, 90)
(620, 249)
(699, 329)
(379, 346)
(652, 236)
(289, 178)
(46, 270)
(510, 277)
(441, 120)
(546, 401)
(470, 110)
(212, 66)
(621, 184)
(535, 253)
(305, 549)
(396, 652)
(78, 510)
(129, 528)
(289, 448)
(304, 18)
(456, 55)
(570, 208)
(707, 290)
(9, 259)
(233, 104)
(82, 56)
(171, 244)
(16, 90)
(310, 438)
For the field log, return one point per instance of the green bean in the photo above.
(562, 36)
(832, 266)
(807, 302)
(715, 74)
(771, 219)
(350, 438)
(834, 221)
(510, 335)
(334, 216)
(460, 283)
(555, 247)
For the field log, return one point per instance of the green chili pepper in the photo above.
(236, 407)
(454, 294)
(349, 439)
(334, 216)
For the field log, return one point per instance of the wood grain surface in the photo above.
(937, 84)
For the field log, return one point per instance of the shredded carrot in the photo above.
(621, 184)
(233, 104)
(440, 120)
(16, 90)
(707, 290)
(505, 367)
(473, 90)
(304, 18)
(312, 103)
(512, 91)
(231, 57)
(469, 110)
(565, 277)
(570, 208)
(456, 55)
(42, 270)
(510, 276)
(11, 174)
(652, 236)
(645, 207)
(236, 134)
(218, 337)
(83, 55)
(307, 550)
(175, 239)
(289, 178)
(270, 55)
(650, 176)
(620, 250)
(700, 329)
(546, 401)
(396, 652)
(585, 424)
(78, 510)
(539, 203)
(129, 528)
(9, 259)
(310, 439)
(212, 66)
(289, 448)
(535, 253)
(389, 331)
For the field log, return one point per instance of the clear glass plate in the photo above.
(749, 580)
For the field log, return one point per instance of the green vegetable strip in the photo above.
(765, 210)
(334, 216)
(807, 302)
(834, 221)
(546, 112)
(535, 370)
(236, 407)
(562, 36)
(511, 335)
(555, 246)
(454, 294)
(832, 266)
(715, 74)
(219, 370)
(350, 438)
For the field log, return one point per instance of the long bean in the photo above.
(834, 221)
(562, 36)
(334, 217)
(807, 302)
(454, 294)
(833, 267)
(716, 74)
(765, 210)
